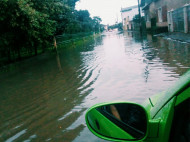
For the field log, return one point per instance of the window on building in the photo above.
(160, 14)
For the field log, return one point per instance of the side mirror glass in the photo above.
(118, 121)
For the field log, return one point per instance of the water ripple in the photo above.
(46, 97)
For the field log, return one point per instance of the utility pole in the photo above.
(140, 24)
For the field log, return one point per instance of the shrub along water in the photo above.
(28, 27)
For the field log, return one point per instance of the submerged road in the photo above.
(45, 98)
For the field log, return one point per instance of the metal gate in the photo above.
(188, 17)
(178, 20)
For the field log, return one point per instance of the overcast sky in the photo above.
(108, 10)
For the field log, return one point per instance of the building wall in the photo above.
(188, 17)
(148, 25)
(130, 14)
(173, 4)
(127, 17)
(159, 11)
(170, 4)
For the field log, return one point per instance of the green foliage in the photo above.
(119, 26)
(96, 21)
(30, 25)
(84, 21)
(23, 27)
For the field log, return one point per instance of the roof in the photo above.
(146, 3)
(128, 8)
(146, 6)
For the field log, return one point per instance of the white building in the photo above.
(127, 15)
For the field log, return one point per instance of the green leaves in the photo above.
(23, 26)
(29, 25)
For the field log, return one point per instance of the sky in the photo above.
(107, 10)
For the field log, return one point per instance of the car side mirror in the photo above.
(118, 121)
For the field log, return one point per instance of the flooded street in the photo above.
(45, 98)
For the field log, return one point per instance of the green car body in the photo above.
(167, 116)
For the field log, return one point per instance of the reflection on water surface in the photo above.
(45, 98)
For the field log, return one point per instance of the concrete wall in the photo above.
(173, 24)
(148, 25)
(167, 5)
(174, 4)
(129, 17)
(129, 14)
(161, 24)
(171, 4)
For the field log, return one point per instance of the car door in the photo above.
(180, 130)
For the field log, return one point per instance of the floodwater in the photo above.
(45, 98)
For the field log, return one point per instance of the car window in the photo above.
(180, 131)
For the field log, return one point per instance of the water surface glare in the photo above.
(45, 98)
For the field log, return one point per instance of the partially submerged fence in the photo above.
(178, 20)
(28, 52)
(188, 17)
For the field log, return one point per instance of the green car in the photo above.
(162, 118)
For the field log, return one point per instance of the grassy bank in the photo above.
(74, 40)
(71, 40)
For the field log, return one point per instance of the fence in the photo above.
(178, 20)
(188, 17)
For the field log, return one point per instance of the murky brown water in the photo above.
(45, 98)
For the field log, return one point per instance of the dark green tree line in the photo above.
(28, 26)
(119, 26)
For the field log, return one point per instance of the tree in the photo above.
(97, 25)
(23, 27)
(119, 26)
(84, 20)
(29, 25)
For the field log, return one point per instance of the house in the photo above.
(171, 15)
(127, 15)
